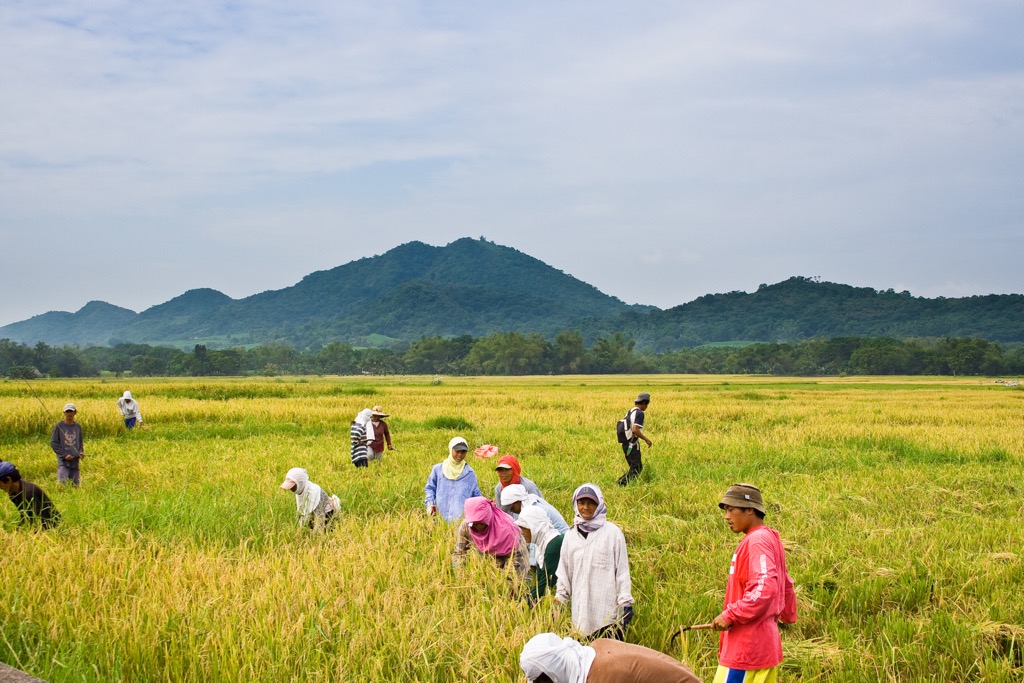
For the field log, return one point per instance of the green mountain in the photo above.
(91, 325)
(804, 308)
(474, 287)
(469, 287)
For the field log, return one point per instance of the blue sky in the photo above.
(659, 151)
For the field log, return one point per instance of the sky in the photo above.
(659, 151)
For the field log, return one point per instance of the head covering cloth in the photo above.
(513, 493)
(307, 494)
(562, 659)
(600, 515)
(502, 534)
(517, 469)
(541, 530)
(450, 467)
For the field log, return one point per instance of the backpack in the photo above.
(624, 427)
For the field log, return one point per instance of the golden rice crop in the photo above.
(899, 501)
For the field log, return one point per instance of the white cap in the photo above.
(457, 440)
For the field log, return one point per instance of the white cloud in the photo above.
(737, 142)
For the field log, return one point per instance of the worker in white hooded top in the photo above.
(315, 509)
(129, 408)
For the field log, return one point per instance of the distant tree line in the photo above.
(513, 353)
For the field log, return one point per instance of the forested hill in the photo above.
(805, 308)
(477, 288)
(469, 287)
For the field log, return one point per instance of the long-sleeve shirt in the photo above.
(318, 517)
(554, 516)
(593, 575)
(35, 506)
(527, 484)
(129, 407)
(66, 439)
(758, 591)
(381, 433)
(448, 495)
(520, 556)
(547, 576)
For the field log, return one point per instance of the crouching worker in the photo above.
(34, 505)
(538, 531)
(515, 498)
(491, 532)
(546, 658)
(315, 508)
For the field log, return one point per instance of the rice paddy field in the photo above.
(900, 501)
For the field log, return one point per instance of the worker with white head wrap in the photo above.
(314, 507)
(361, 436)
(515, 498)
(546, 658)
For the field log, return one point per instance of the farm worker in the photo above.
(492, 532)
(67, 443)
(547, 541)
(451, 482)
(593, 569)
(314, 507)
(546, 658)
(516, 499)
(510, 472)
(635, 434)
(361, 435)
(381, 433)
(129, 408)
(34, 505)
(758, 594)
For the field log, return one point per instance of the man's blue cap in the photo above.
(7, 469)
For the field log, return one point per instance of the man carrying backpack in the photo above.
(631, 432)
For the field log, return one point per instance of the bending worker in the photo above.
(546, 658)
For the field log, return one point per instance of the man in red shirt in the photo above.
(758, 595)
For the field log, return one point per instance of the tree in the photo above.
(437, 354)
(380, 362)
(200, 362)
(567, 353)
(336, 359)
(613, 355)
(880, 356)
(972, 356)
(509, 353)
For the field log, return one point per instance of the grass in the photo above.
(899, 500)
